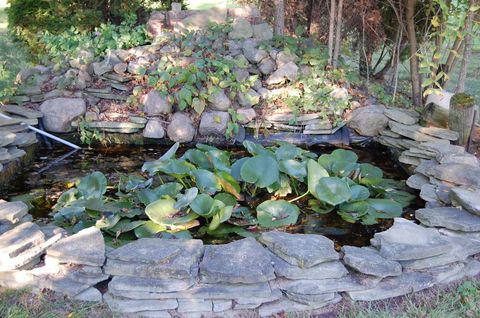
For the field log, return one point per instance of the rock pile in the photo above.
(418, 142)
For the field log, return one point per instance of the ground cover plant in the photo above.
(216, 192)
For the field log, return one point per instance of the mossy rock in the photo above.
(462, 100)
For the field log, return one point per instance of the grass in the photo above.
(207, 4)
(454, 301)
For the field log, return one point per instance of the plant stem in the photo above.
(299, 197)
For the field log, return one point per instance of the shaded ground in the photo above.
(454, 301)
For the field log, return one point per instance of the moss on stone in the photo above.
(462, 100)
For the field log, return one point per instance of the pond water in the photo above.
(46, 179)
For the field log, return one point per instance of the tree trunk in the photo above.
(468, 49)
(279, 17)
(331, 31)
(462, 114)
(338, 34)
(412, 39)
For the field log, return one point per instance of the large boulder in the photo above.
(287, 71)
(154, 129)
(368, 121)
(155, 104)
(220, 101)
(214, 123)
(241, 29)
(181, 128)
(262, 32)
(58, 113)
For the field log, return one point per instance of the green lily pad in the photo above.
(93, 186)
(206, 181)
(333, 191)
(261, 170)
(315, 173)
(278, 213)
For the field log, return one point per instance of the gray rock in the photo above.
(441, 133)
(395, 286)
(222, 305)
(214, 123)
(287, 306)
(155, 104)
(243, 261)
(138, 67)
(158, 258)
(367, 261)
(424, 166)
(22, 111)
(321, 271)
(181, 128)
(249, 98)
(220, 101)
(125, 305)
(452, 157)
(151, 285)
(262, 32)
(267, 66)
(251, 52)
(322, 286)
(58, 113)
(120, 68)
(287, 71)
(20, 239)
(416, 181)
(411, 131)
(194, 305)
(406, 240)
(466, 198)
(428, 193)
(462, 249)
(246, 115)
(241, 75)
(460, 174)
(86, 247)
(466, 235)
(284, 57)
(154, 129)
(241, 29)
(402, 116)
(368, 121)
(441, 146)
(311, 299)
(303, 250)
(100, 68)
(450, 218)
(12, 211)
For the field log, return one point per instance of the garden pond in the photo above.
(195, 196)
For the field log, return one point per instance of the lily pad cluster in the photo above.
(219, 192)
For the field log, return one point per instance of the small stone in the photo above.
(284, 57)
(367, 261)
(424, 166)
(194, 305)
(220, 101)
(287, 71)
(249, 98)
(262, 32)
(154, 129)
(155, 104)
(214, 123)
(416, 181)
(452, 157)
(406, 240)
(459, 174)
(12, 211)
(181, 128)
(120, 68)
(286, 306)
(243, 261)
(58, 113)
(220, 305)
(125, 305)
(394, 287)
(466, 198)
(414, 161)
(246, 115)
(402, 116)
(92, 295)
(368, 121)
(241, 29)
(450, 218)
(100, 68)
(251, 52)
(311, 299)
(303, 250)
(151, 285)
(389, 133)
(267, 66)
(428, 193)
(86, 247)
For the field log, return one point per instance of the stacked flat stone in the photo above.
(308, 124)
(411, 258)
(404, 133)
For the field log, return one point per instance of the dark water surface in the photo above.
(47, 179)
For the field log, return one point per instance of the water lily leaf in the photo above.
(224, 230)
(184, 200)
(206, 181)
(242, 216)
(107, 221)
(370, 171)
(236, 168)
(93, 186)
(315, 173)
(125, 225)
(162, 163)
(202, 204)
(261, 170)
(205, 147)
(148, 229)
(333, 190)
(386, 207)
(184, 234)
(173, 167)
(288, 151)
(344, 155)
(137, 182)
(256, 149)
(273, 213)
(340, 162)
(161, 210)
(66, 198)
(147, 196)
(228, 183)
(219, 159)
(402, 197)
(221, 216)
(170, 152)
(226, 198)
(281, 188)
(359, 193)
(293, 168)
(198, 158)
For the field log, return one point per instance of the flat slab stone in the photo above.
(302, 250)
(160, 257)
(402, 116)
(395, 286)
(86, 247)
(462, 249)
(416, 181)
(288, 306)
(19, 239)
(243, 261)
(22, 111)
(194, 305)
(13, 211)
(333, 269)
(453, 157)
(367, 261)
(149, 284)
(203, 291)
(410, 131)
(450, 218)
(467, 235)
(428, 193)
(406, 240)
(466, 198)
(460, 174)
(125, 305)
(311, 299)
